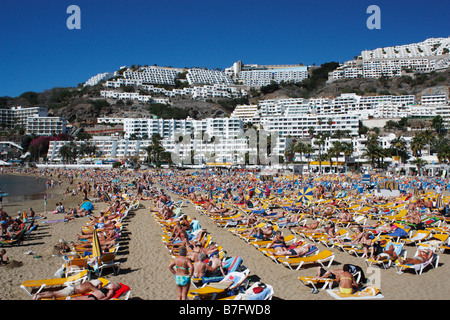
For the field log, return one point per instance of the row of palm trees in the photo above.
(435, 138)
(70, 151)
(338, 148)
(155, 151)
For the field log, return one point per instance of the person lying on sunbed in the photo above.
(105, 293)
(413, 216)
(105, 244)
(298, 251)
(289, 219)
(104, 236)
(264, 233)
(307, 227)
(422, 256)
(331, 233)
(345, 216)
(81, 289)
(388, 253)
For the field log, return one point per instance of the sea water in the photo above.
(21, 188)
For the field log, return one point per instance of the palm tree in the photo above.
(308, 150)
(438, 125)
(300, 148)
(336, 151)
(68, 152)
(420, 163)
(320, 141)
(442, 147)
(373, 149)
(330, 123)
(149, 150)
(398, 144)
(347, 148)
(417, 144)
(155, 149)
(428, 136)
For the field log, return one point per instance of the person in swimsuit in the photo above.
(295, 252)
(346, 281)
(422, 256)
(105, 293)
(183, 269)
(278, 242)
(82, 288)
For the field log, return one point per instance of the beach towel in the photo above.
(195, 225)
(231, 264)
(54, 221)
(123, 288)
(399, 232)
(366, 293)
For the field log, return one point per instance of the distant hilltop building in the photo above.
(97, 78)
(34, 120)
(430, 55)
(205, 76)
(254, 75)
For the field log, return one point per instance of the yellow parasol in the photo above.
(96, 249)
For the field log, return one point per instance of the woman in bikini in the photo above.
(346, 281)
(182, 268)
(278, 242)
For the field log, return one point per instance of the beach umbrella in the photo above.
(96, 249)
(87, 205)
(439, 203)
(305, 194)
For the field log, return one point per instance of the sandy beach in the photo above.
(144, 259)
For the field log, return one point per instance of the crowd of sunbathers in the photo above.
(241, 199)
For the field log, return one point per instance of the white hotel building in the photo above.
(153, 75)
(430, 55)
(258, 78)
(97, 78)
(197, 76)
(46, 126)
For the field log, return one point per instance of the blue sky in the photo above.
(38, 51)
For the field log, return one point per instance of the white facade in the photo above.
(97, 78)
(433, 99)
(153, 75)
(299, 126)
(205, 76)
(19, 115)
(258, 78)
(429, 55)
(193, 151)
(46, 126)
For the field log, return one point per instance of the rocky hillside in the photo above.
(83, 105)
(435, 82)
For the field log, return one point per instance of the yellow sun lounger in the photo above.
(265, 243)
(216, 289)
(320, 258)
(102, 280)
(30, 285)
(314, 282)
